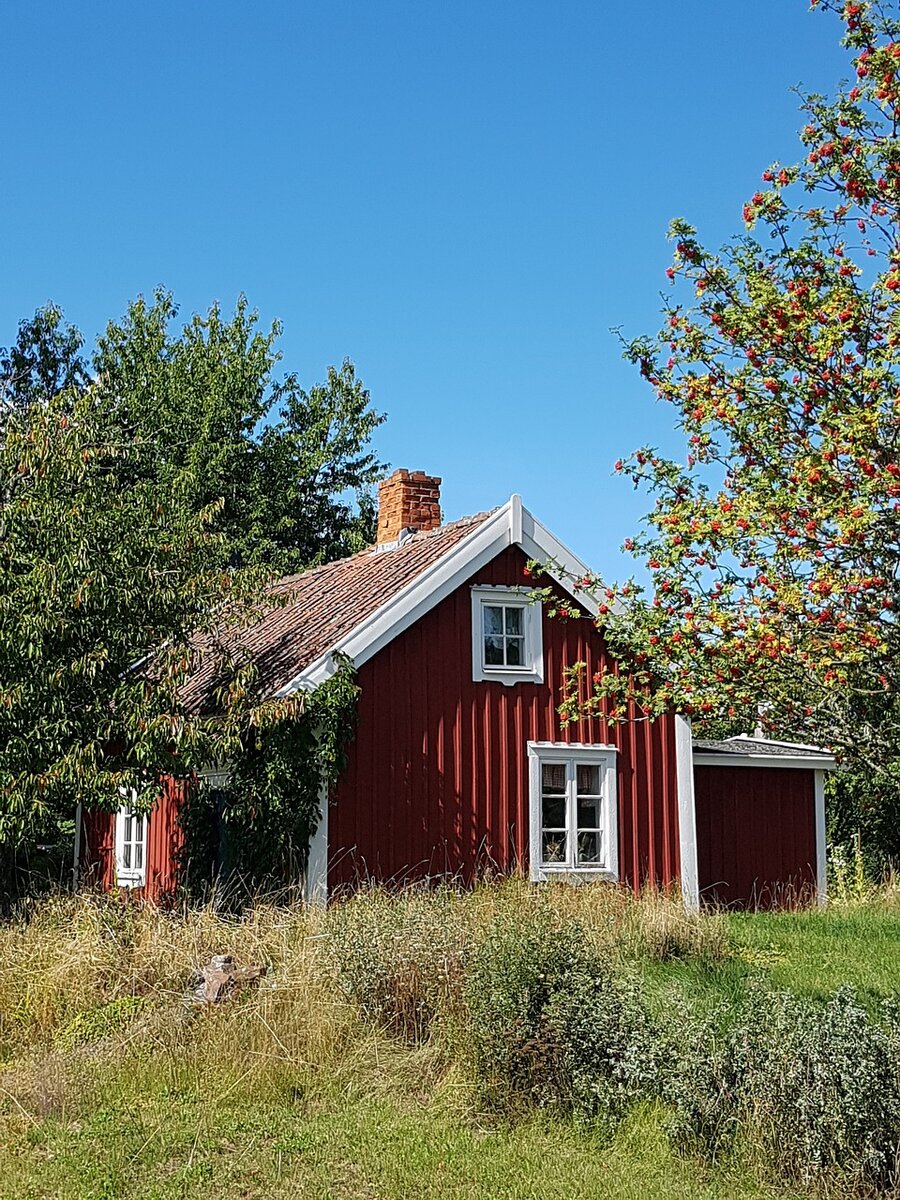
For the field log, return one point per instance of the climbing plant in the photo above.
(253, 831)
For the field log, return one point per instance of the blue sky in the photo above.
(463, 198)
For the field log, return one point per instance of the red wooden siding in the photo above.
(756, 836)
(437, 778)
(164, 841)
(97, 848)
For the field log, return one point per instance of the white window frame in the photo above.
(574, 755)
(532, 670)
(131, 877)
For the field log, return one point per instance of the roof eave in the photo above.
(725, 758)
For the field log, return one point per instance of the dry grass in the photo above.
(106, 1070)
(74, 955)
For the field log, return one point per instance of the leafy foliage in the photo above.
(811, 1088)
(290, 467)
(550, 1022)
(254, 830)
(145, 502)
(773, 547)
(863, 818)
(44, 361)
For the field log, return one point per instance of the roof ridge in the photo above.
(417, 537)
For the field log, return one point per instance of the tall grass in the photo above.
(369, 1007)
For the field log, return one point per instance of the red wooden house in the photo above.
(460, 762)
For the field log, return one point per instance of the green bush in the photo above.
(698, 1077)
(820, 1088)
(807, 1091)
(402, 958)
(549, 1022)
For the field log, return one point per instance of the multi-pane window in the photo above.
(504, 635)
(131, 847)
(573, 809)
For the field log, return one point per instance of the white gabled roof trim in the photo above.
(511, 525)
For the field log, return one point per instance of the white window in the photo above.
(507, 641)
(131, 847)
(574, 813)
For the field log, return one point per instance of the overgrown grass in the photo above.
(346, 1072)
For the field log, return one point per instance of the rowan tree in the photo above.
(773, 546)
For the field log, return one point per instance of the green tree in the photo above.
(145, 502)
(292, 468)
(773, 546)
(44, 360)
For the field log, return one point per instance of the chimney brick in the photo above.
(407, 501)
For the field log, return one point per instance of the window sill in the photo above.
(574, 874)
(130, 881)
(508, 676)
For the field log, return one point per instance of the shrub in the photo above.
(550, 1023)
(804, 1090)
(697, 1077)
(98, 1023)
(401, 958)
(820, 1088)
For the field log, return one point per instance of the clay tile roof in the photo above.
(323, 605)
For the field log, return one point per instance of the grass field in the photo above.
(112, 1087)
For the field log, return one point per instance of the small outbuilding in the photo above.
(759, 809)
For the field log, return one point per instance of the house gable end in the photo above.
(511, 525)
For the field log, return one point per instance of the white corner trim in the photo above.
(821, 862)
(603, 755)
(687, 814)
(532, 670)
(510, 525)
(315, 890)
(799, 762)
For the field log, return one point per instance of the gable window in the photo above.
(573, 809)
(131, 847)
(507, 643)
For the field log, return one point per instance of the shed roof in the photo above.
(757, 751)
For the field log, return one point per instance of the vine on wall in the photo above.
(252, 832)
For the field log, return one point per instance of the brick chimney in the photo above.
(408, 500)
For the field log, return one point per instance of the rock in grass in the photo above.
(221, 980)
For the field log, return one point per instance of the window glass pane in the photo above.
(589, 848)
(553, 812)
(553, 848)
(493, 651)
(138, 855)
(553, 778)
(126, 855)
(129, 821)
(588, 780)
(515, 651)
(514, 621)
(493, 619)
(588, 813)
